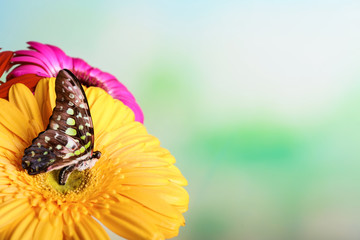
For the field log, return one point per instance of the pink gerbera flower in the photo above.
(46, 60)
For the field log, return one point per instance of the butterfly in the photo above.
(68, 141)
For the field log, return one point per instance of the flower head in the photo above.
(134, 189)
(46, 61)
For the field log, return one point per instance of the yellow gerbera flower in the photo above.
(134, 189)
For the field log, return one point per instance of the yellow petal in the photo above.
(45, 230)
(45, 97)
(169, 172)
(52, 93)
(116, 136)
(88, 228)
(151, 199)
(6, 232)
(93, 93)
(123, 116)
(7, 139)
(143, 178)
(100, 116)
(169, 226)
(14, 120)
(104, 119)
(174, 195)
(4, 181)
(24, 100)
(26, 227)
(69, 230)
(130, 222)
(132, 145)
(12, 210)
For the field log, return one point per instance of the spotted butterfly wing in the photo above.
(67, 143)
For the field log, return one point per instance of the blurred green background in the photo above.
(259, 101)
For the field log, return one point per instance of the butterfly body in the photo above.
(67, 143)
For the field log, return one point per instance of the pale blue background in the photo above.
(259, 101)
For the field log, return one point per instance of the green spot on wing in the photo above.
(70, 111)
(70, 132)
(82, 149)
(70, 121)
(88, 145)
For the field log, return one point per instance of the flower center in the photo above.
(75, 182)
(79, 184)
(89, 81)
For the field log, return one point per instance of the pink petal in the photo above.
(28, 69)
(64, 60)
(46, 64)
(80, 65)
(26, 59)
(47, 51)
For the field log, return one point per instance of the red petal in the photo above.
(30, 80)
(5, 58)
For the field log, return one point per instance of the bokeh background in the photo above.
(259, 101)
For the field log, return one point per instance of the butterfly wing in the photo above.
(69, 137)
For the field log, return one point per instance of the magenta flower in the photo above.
(46, 61)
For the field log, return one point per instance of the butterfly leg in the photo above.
(65, 173)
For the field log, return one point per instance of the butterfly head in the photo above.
(96, 155)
